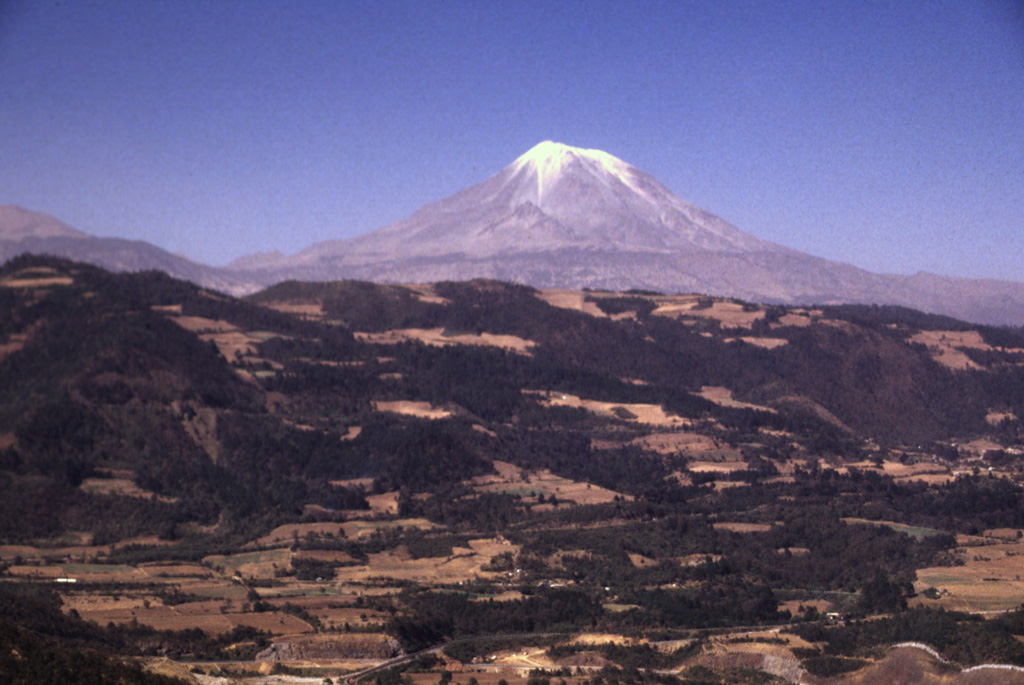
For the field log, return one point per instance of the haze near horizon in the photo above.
(885, 135)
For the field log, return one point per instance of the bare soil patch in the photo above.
(689, 443)
(993, 418)
(199, 324)
(37, 282)
(439, 338)
(161, 570)
(422, 410)
(650, 414)
(723, 397)
(122, 487)
(797, 319)
(332, 556)
(356, 529)
(303, 309)
(741, 527)
(717, 466)
(728, 314)
(913, 531)
(252, 564)
(295, 531)
(946, 347)
(990, 579)
(571, 299)
(511, 479)
(16, 344)
(767, 343)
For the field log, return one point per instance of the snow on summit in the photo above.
(550, 161)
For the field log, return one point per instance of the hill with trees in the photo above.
(653, 466)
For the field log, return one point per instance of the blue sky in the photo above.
(885, 134)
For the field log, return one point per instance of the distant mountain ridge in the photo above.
(24, 232)
(557, 217)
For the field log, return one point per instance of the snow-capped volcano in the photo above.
(552, 198)
(567, 217)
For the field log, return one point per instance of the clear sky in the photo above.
(885, 134)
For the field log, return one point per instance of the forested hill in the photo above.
(235, 410)
(617, 462)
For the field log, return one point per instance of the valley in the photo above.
(511, 484)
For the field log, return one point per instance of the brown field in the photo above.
(979, 447)
(333, 616)
(15, 345)
(989, 580)
(507, 596)
(650, 414)
(798, 319)
(41, 572)
(306, 310)
(38, 282)
(699, 559)
(513, 480)
(724, 484)
(252, 564)
(208, 618)
(234, 344)
(199, 324)
(295, 531)
(945, 347)
(793, 605)
(640, 561)
(928, 472)
(230, 341)
(717, 466)
(767, 343)
(993, 418)
(728, 314)
(123, 487)
(913, 531)
(723, 398)
(385, 503)
(571, 299)
(355, 483)
(356, 529)
(687, 442)
(396, 565)
(165, 570)
(438, 338)
(423, 410)
(425, 292)
(741, 527)
(1004, 533)
(333, 556)
(24, 551)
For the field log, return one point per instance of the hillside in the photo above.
(345, 470)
